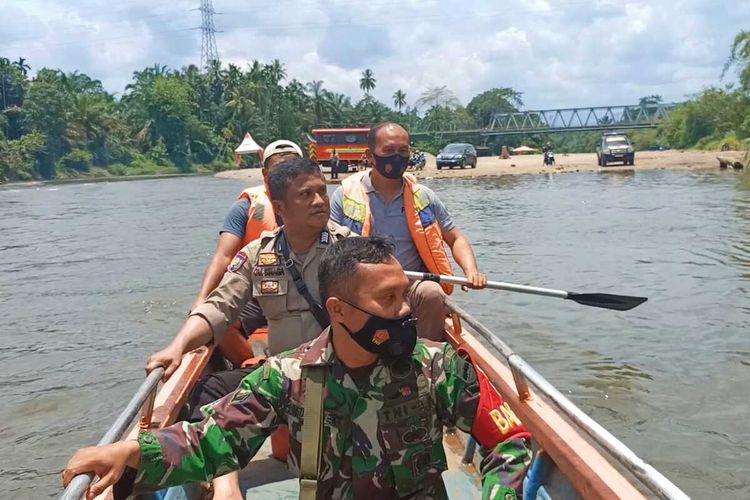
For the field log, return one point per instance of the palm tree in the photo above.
(438, 96)
(399, 99)
(143, 79)
(21, 64)
(367, 82)
(317, 92)
(275, 71)
(740, 58)
(340, 106)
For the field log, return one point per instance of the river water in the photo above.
(94, 277)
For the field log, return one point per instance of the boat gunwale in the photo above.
(588, 471)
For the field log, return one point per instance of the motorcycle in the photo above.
(549, 157)
(417, 160)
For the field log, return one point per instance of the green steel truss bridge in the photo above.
(565, 120)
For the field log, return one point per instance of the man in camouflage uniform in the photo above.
(386, 399)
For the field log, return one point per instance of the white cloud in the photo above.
(558, 53)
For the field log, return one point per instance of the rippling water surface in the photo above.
(93, 277)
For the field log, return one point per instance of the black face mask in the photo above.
(392, 167)
(386, 337)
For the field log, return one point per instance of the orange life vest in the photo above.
(260, 216)
(420, 219)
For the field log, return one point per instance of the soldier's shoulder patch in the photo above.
(324, 236)
(459, 365)
(268, 259)
(239, 259)
(465, 369)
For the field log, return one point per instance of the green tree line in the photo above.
(59, 124)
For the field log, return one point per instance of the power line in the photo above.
(209, 52)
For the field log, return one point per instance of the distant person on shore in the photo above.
(334, 165)
(384, 201)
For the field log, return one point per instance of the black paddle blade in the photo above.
(607, 300)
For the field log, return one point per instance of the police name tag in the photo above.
(269, 272)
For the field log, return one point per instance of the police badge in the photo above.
(237, 262)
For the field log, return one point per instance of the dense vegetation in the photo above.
(60, 124)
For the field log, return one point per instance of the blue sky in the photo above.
(558, 53)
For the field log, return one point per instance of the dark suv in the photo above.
(457, 155)
(613, 147)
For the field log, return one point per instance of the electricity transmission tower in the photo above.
(209, 52)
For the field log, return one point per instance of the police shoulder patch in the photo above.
(237, 262)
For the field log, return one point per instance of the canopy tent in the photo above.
(521, 150)
(247, 146)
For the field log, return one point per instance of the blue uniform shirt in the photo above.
(388, 220)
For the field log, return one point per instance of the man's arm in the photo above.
(226, 248)
(195, 332)
(464, 257)
(233, 430)
(211, 319)
(229, 243)
(473, 405)
(459, 245)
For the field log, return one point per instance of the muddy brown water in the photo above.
(94, 277)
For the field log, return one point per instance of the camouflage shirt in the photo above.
(382, 435)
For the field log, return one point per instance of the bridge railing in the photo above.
(581, 118)
(567, 119)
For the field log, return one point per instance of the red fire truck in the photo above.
(350, 145)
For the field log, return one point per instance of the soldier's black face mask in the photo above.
(386, 337)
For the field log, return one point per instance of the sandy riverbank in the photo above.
(565, 163)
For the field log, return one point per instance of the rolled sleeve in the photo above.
(224, 304)
(444, 217)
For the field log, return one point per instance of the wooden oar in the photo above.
(603, 300)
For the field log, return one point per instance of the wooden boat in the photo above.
(573, 456)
